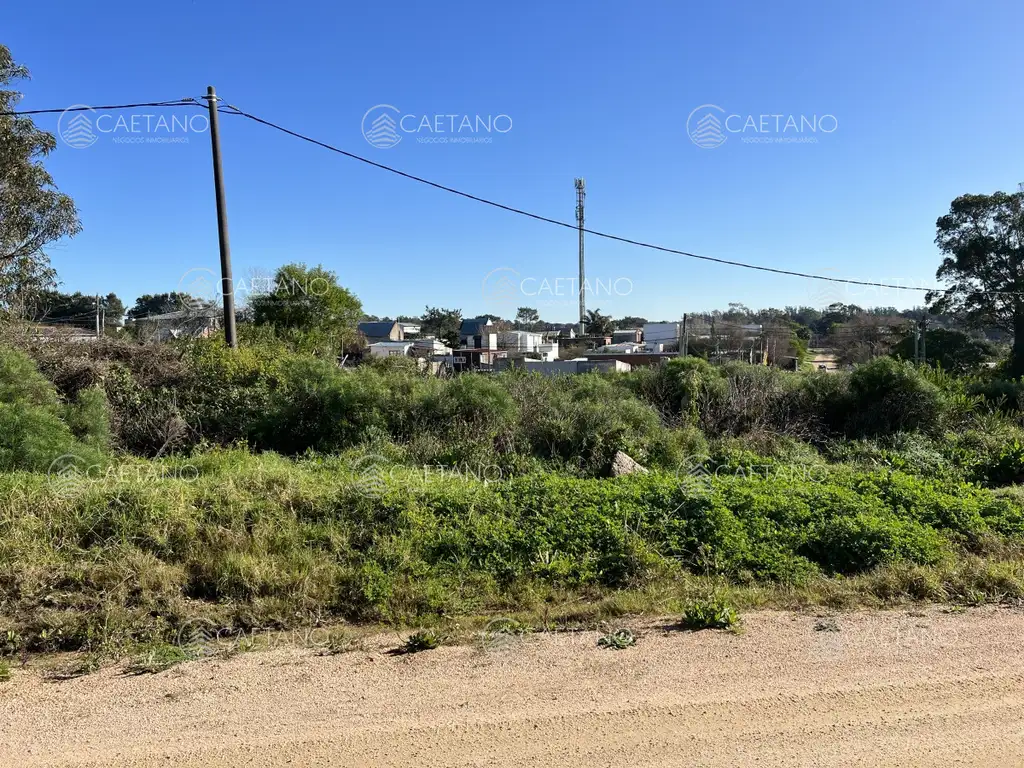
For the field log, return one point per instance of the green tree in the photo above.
(443, 324)
(77, 309)
(32, 212)
(598, 324)
(630, 321)
(306, 300)
(982, 238)
(527, 318)
(24, 280)
(160, 303)
(954, 351)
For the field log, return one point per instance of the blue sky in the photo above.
(925, 96)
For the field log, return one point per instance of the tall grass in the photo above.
(264, 541)
(287, 491)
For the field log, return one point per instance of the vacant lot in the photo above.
(926, 687)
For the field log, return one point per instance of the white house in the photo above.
(391, 348)
(661, 333)
(429, 347)
(528, 342)
(549, 350)
(624, 348)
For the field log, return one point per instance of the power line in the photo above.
(629, 241)
(176, 103)
(233, 110)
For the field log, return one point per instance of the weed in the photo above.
(713, 613)
(339, 641)
(826, 624)
(423, 640)
(617, 640)
(5, 671)
(84, 666)
(507, 626)
(159, 658)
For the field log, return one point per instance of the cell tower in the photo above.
(581, 195)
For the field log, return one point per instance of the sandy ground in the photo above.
(887, 688)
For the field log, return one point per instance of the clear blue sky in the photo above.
(925, 93)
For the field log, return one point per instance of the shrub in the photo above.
(1004, 394)
(888, 396)
(862, 541)
(712, 613)
(423, 640)
(35, 429)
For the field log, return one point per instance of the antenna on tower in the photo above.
(581, 195)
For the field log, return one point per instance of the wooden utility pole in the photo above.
(227, 283)
(97, 315)
(684, 348)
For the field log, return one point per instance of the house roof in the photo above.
(473, 326)
(381, 328)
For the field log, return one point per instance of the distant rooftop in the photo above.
(379, 328)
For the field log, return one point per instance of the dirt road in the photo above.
(895, 688)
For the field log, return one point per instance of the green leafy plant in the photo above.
(617, 640)
(159, 658)
(423, 640)
(712, 613)
(340, 641)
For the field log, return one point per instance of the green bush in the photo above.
(36, 430)
(889, 396)
(713, 613)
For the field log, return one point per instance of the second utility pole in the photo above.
(581, 195)
(227, 284)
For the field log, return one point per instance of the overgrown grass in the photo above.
(409, 500)
(268, 542)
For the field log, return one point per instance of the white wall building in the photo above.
(528, 342)
(661, 333)
(429, 347)
(390, 348)
(624, 348)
